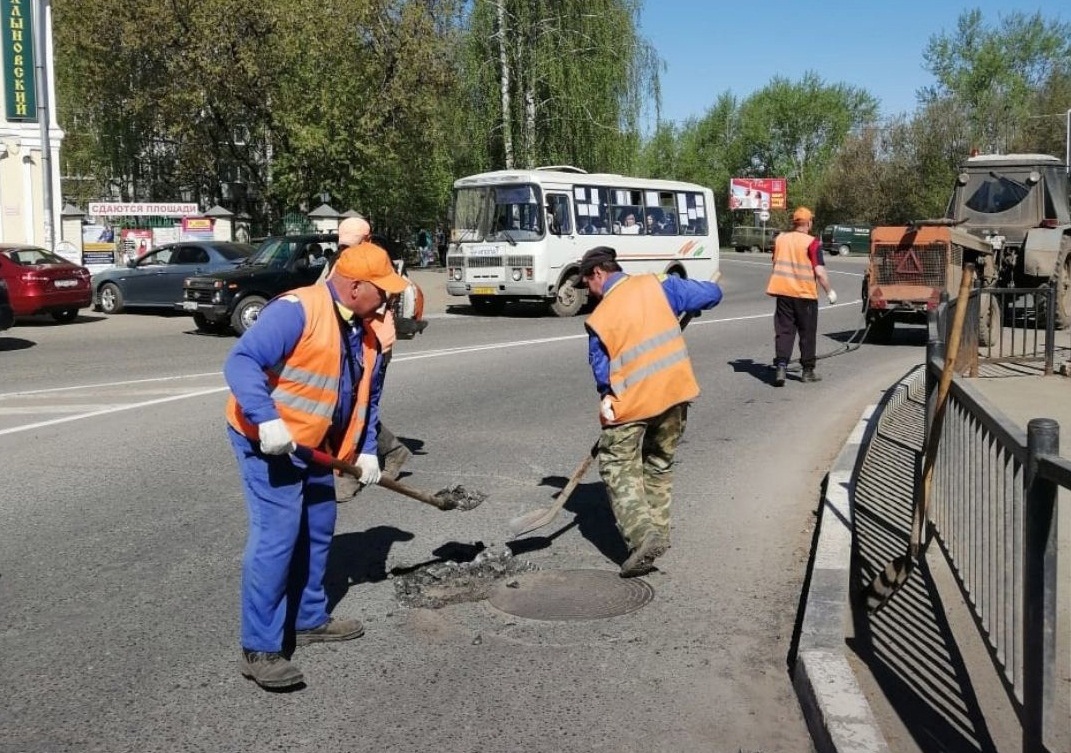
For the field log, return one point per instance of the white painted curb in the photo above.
(837, 712)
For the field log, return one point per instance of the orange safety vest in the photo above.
(793, 274)
(649, 366)
(305, 385)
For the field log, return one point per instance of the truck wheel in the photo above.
(843, 249)
(989, 319)
(246, 313)
(570, 298)
(488, 305)
(1063, 290)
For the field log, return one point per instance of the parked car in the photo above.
(842, 240)
(7, 314)
(155, 279)
(40, 282)
(233, 299)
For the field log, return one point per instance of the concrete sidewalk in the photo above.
(921, 678)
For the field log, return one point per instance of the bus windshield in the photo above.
(511, 213)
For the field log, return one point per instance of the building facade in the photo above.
(30, 196)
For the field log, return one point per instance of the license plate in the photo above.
(66, 283)
(189, 305)
(483, 291)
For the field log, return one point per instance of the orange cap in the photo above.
(367, 261)
(802, 214)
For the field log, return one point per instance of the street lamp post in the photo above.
(1067, 147)
(44, 116)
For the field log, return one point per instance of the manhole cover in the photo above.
(571, 595)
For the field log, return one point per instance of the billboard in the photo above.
(758, 193)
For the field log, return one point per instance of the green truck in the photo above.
(754, 239)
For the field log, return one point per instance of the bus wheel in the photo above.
(570, 298)
(843, 249)
(487, 305)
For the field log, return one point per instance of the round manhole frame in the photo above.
(577, 595)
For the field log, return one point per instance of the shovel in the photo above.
(455, 498)
(894, 575)
(542, 516)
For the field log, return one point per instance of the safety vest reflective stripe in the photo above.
(647, 345)
(305, 405)
(304, 376)
(620, 385)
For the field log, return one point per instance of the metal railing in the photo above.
(1012, 325)
(994, 512)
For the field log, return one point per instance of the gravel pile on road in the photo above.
(442, 583)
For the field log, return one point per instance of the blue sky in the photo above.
(713, 46)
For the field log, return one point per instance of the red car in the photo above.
(39, 282)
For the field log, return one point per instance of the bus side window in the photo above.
(559, 220)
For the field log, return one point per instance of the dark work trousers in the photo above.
(794, 315)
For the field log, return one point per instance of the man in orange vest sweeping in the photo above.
(798, 270)
(308, 373)
(645, 382)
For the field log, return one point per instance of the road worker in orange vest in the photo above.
(798, 270)
(307, 373)
(645, 381)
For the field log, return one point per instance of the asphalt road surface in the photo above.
(122, 526)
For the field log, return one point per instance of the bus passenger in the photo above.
(629, 227)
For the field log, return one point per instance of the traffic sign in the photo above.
(765, 203)
(764, 216)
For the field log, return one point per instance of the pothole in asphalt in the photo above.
(438, 584)
(570, 595)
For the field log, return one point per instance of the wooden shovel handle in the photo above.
(319, 457)
(943, 387)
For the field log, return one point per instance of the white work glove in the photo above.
(832, 295)
(275, 438)
(606, 409)
(369, 465)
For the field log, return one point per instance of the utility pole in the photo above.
(44, 116)
(1067, 147)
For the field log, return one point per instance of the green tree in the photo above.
(994, 73)
(557, 83)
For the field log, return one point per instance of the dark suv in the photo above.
(233, 299)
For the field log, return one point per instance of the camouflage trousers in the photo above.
(636, 464)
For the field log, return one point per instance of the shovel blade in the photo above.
(531, 521)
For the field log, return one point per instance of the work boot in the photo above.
(269, 669)
(394, 460)
(641, 561)
(810, 376)
(780, 375)
(346, 487)
(335, 629)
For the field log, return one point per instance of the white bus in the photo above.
(518, 235)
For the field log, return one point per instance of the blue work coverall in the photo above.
(291, 504)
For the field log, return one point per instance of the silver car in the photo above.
(155, 279)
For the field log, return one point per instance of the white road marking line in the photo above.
(132, 406)
(107, 384)
(29, 410)
(397, 359)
